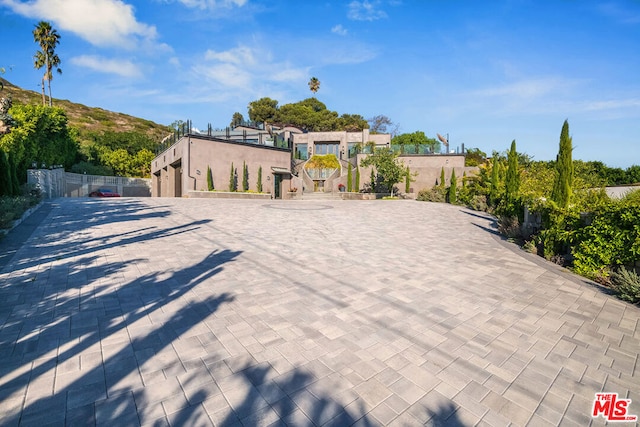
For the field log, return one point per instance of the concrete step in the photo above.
(321, 196)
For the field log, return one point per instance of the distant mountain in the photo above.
(89, 119)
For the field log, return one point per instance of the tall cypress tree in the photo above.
(209, 179)
(442, 178)
(453, 188)
(495, 182)
(13, 171)
(349, 179)
(563, 184)
(357, 179)
(512, 181)
(232, 179)
(259, 183)
(245, 177)
(5, 175)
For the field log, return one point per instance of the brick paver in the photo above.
(232, 312)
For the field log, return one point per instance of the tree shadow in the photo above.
(445, 415)
(96, 357)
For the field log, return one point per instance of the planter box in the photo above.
(227, 195)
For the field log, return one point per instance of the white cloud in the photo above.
(613, 104)
(212, 4)
(240, 55)
(365, 11)
(340, 30)
(110, 66)
(100, 22)
(526, 89)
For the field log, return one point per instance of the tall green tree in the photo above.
(442, 178)
(314, 85)
(233, 186)
(237, 119)
(494, 183)
(512, 180)
(357, 189)
(48, 39)
(453, 188)
(349, 179)
(209, 179)
(387, 166)
(13, 171)
(563, 184)
(40, 134)
(5, 176)
(263, 110)
(259, 183)
(245, 177)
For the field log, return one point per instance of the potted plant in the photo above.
(341, 188)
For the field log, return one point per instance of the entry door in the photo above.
(277, 180)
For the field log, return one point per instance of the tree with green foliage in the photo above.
(357, 189)
(259, 183)
(48, 38)
(6, 188)
(474, 157)
(314, 85)
(349, 179)
(13, 171)
(563, 185)
(40, 134)
(233, 186)
(387, 166)
(453, 188)
(442, 178)
(245, 177)
(236, 120)
(372, 180)
(494, 183)
(263, 110)
(407, 181)
(512, 181)
(210, 186)
(418, 141)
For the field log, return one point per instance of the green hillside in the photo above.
(89, 119)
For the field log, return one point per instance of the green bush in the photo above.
(509, 226)
(434, 194)
(626, 284)
(611, 239)
(12, 208)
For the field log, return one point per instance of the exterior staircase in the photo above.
(319, 195)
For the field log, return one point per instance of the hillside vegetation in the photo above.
(89, 120)
(82, 139)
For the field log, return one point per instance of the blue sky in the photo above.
(484, 72)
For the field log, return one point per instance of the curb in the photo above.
(18, 221)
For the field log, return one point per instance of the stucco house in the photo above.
(277, 157)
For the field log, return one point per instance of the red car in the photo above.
(103, 192)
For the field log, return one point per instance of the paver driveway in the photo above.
(232, 312)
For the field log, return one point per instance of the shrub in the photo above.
(509, 226)
(479, 203)
(610, 240)
(626, 284)
(434, 194)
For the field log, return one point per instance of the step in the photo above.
(321, 196)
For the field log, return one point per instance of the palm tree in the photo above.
(314, 84)
(48, 38)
